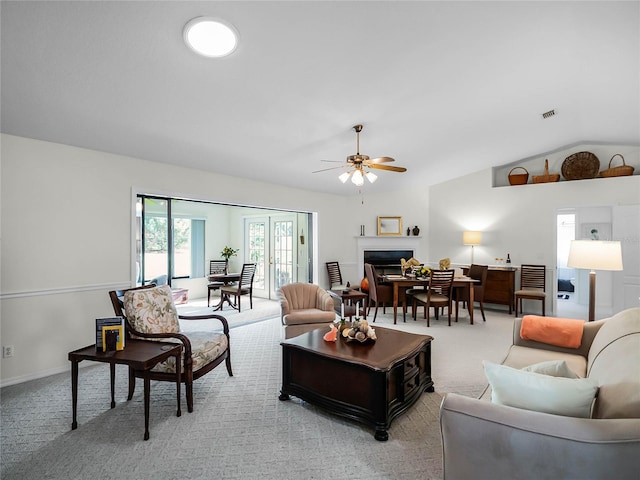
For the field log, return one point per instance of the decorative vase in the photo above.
(408, 231)
(416, 231)
(364, 285)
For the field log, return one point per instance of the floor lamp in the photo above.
(594, 255)
(471, 238)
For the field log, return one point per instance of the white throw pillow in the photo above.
(554, 368)
(570, 397)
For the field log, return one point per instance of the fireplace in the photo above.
(386, 261)
(388, 250)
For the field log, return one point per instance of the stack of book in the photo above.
(110, 333)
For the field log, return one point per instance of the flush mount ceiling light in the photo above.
(210, 37)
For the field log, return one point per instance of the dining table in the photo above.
(227, 279)
(400, 282)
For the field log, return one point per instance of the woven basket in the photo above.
(619, 171)
(546, 177)
(518, 178)
(580, 166)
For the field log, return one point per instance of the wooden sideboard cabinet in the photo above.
(501, 286)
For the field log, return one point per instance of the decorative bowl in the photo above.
(355, 340)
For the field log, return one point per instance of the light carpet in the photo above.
(262, 309)
(239, 429)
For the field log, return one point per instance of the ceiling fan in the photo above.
(358, 165)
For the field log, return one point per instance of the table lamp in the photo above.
(594, 255)
(471, 238)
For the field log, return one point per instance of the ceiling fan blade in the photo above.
(379, 160)
(333, 161)
(331, 168)
(388, 167)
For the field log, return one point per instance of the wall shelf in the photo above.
(535, 165)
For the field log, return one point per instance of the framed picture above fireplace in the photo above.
(390, 226)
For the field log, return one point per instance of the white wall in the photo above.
(66, 223)
(67, 229)
(67, 215)
(411, 205)
(519, 220)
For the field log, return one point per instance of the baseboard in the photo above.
(43, 374)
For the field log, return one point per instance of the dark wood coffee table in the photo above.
(372, 383)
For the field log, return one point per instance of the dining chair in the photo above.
(151, 315)
(335, 276)
(438, 294)
(215, 267)
(243, 287)
(533, 280)
(378, 293)
(479, 273)
(407, 299)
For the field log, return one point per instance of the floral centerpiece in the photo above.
(228, 252)
(422, 272)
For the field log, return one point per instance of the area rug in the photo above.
(262, 310)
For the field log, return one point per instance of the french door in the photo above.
(271, 242)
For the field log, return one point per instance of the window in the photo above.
(177, 238)
(177, 252)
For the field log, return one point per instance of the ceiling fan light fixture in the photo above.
(359, 165)
(210, 37)
(357, 178)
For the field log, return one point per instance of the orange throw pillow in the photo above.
(562, 332)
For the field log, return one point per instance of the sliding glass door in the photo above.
(176, 239)
(170, 241)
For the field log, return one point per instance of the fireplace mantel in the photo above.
(385, 243)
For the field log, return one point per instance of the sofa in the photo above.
(304, 307)
(482, 439)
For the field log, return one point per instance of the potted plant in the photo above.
(227, 253)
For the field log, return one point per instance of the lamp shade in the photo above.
(595, 255)
(357, 179)
(344, 176)
(471, 238)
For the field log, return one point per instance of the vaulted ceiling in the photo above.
(445, 88)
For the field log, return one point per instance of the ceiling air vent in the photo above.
(548, 114)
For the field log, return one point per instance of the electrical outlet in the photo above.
(7, 351)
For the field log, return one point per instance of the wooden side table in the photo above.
(138, 355)
(349, 299)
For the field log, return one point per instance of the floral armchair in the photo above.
(151, 315)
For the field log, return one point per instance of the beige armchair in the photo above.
(304, 307)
